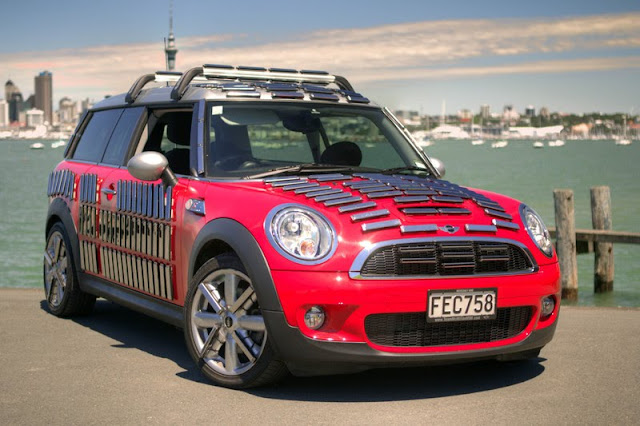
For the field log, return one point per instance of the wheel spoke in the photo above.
(230, 354)
(48, 283)
(48, 258)
(209, 343)
(62, 264)
(252, 322)
(230, 288)
(242, 346)
(60, 278)
(203, 319)
(210, 297)
(242, 299)
(57, 242)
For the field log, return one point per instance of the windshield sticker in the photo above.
(216, 110)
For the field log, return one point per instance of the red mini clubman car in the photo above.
(288, 224)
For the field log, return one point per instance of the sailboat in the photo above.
(623, 140)
(479, 141)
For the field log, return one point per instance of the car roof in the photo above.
(229, 83)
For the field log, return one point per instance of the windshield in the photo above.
(254, 140)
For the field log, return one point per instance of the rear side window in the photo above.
(120, 139)
(93, 141)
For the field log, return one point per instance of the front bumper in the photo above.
(309, 357)
(342, 344)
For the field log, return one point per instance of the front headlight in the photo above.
(300, 234)
(536, 229)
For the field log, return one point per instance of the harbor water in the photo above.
(517, 170)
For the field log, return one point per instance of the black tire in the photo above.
(521, 356)
(61, 290)
(205, 342)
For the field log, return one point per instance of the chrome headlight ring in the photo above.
(300, 234)
(536, 229)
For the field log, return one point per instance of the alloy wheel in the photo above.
(56, 265)
(227, 326)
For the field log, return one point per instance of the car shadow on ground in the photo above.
(135, 330)
(398, 384)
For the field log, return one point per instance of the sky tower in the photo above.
(170, 49)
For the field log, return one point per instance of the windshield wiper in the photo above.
(305, 168)
(405, 169)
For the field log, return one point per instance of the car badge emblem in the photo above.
(450, 229)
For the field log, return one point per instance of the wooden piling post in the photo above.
(566, 242)
(601, 219)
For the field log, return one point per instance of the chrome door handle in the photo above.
(108, 191)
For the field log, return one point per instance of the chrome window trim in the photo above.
(358, 263)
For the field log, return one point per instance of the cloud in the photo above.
(536, 67)
(430, 49)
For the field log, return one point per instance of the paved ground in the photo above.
(119, 367)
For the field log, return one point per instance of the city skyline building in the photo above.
(15, 106)
(530, 111)
(4, 113)
(35, 117)
(170, 49)
(13, 97)
(485, 111)
(67, 110)
(44, 95)
(9, 89)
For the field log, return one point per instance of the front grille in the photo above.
(443, 258)
(412, 329)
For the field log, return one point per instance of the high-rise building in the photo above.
(509, 114)
(530, 111)
(44, 95)
(170, 49)
(4, 113)
(13, 97)
(544, 112)
(15, 106)
(67, 110)
(85, 105)
(485, 111)
(10, 89)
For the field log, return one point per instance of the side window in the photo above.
(121, 138)
(93, 141)
(169, 132)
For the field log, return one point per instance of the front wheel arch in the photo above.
(233, 237)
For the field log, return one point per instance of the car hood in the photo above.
(371, 208)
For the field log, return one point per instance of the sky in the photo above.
(570, 56)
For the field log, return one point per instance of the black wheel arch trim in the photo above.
(240, 239)
(59, 209)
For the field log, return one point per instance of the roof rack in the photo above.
(158, 77)
(256, 73)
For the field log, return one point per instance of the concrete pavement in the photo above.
(119, 367)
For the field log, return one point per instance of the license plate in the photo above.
(461, 305)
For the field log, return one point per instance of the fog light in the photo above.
(314, 317)
(548, 304)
